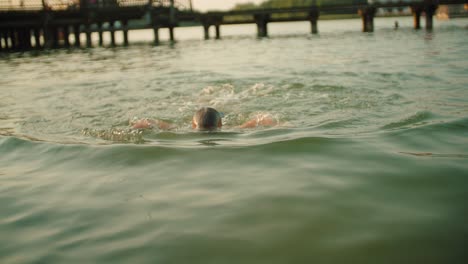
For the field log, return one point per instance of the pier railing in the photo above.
(36, 5)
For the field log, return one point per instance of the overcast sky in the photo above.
(204, 5)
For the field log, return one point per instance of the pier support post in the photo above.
(429, 21)
(55, 37)
(429, 9)
(112, 32)
(37, 38)
(3, 43)
(66, 34)
(313, 17)
(156, 34)
(2, 47)
(212, 20)
(416, 10)
(100, 33)
(206, 30)
(21, 39)
(125, 32)
(13, 39)
(6, 39)
(27, 38)
(172, 20)
(367, 15)
(46, 28)
(262, 24)
(171, 33)
(76, 32)
(88, 35)
(9, 39)
(48, 39)
(218, 31)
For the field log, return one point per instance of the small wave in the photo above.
(449, 127)
(435, 155)
(418, 118)
(442, 139)
(335, 124)
(419, 123)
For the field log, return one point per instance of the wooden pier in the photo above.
(41, 24)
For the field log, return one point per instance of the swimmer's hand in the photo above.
(151, 123)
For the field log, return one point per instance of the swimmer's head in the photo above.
(206, 118)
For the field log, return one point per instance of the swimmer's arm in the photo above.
(266, 121)
(151, 123)
(249, 124)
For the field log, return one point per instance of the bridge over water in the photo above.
(37, 24)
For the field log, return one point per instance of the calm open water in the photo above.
(369, 166)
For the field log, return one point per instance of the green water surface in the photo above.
(368, 166)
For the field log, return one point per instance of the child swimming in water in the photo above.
(206, 118)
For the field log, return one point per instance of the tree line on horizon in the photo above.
(294, 3)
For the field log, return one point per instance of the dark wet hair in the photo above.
(207, 118)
